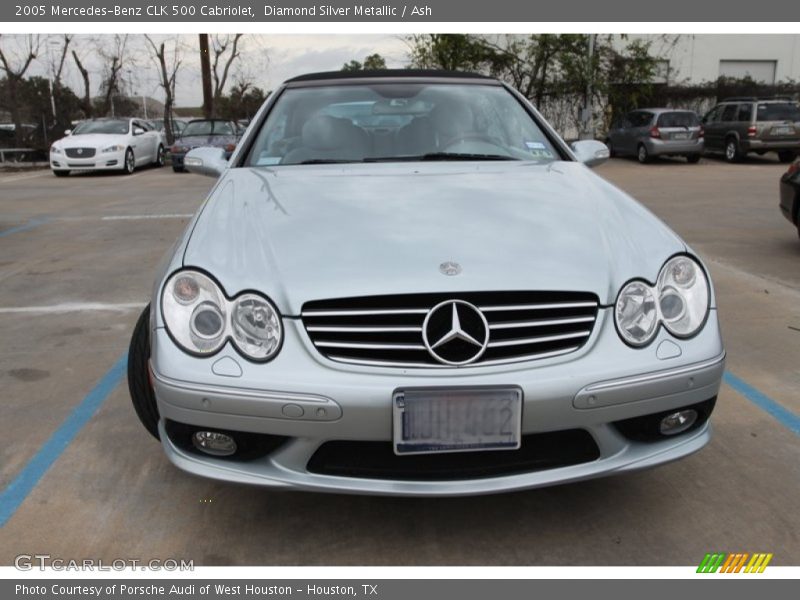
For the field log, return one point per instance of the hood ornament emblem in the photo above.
(450, 268)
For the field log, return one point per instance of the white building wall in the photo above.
(696, 58)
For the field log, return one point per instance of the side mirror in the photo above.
(206, 161)
(68, 132)
(590, 152)
(138, 131)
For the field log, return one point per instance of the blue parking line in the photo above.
(781, 414)
(20, 228)
(17, 491)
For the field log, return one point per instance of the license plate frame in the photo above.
(452, 420)
(681, 136)
(783, 130)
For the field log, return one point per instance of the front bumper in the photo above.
(102, 161)
(311, 401)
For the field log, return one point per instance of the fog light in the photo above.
(678, 422)
(213, 443)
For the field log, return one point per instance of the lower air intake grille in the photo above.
(377, 460)
(417, 330)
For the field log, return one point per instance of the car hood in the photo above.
(317, 232)
(92, 140)
(195, 141)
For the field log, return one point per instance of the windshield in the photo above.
(208, 128)
(678, 119)
(114, 126)
(398, 121)
(778, 112)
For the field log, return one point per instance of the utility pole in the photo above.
(205, 68)
(586, 117)
(52, 98)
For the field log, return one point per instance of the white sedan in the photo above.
(107, 145)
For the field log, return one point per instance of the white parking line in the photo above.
(23, 177)
(68, 307)
(135, 217)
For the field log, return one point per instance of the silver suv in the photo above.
(737, 126)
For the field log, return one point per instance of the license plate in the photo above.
(429, 421)
(783, 131)
(680, 136)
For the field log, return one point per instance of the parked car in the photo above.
(217, 133)
(454, 306)
(177, 126)
(116, 144)
(738, 126)
(790, 194)
(652, 132)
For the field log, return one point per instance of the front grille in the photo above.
(80, 152)
(377, 460)
(387, 330)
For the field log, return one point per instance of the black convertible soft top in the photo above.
(388, 73)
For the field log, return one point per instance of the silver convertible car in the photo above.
(405, 282)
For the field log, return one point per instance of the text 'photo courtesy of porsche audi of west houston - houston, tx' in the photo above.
(405, 282)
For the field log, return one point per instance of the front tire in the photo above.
(693, 159)
(61, 173)
(611, 152)
(139, 386)
(786, 156)
(129, 165)
(642, 154)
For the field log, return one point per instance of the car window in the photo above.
(397, 121)
(778, 111)
(109, 126)
(745, 113)
(713, 116)
(208, 128)
(678, 119)
(640, 118)
(729, 113)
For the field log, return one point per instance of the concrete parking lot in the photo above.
(77, 258)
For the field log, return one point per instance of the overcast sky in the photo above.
(266, 60)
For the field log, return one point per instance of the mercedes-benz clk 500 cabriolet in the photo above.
(405, 282)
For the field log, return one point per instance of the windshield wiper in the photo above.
(440, 156)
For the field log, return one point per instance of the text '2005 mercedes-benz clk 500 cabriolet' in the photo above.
(405, 282)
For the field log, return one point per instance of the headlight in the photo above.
(194, 312)
(636, 313)
(114, 148)
(256, 326)
(55, 150)
(682, 296)
(679, 301)
(201, 319)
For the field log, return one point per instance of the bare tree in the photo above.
(115, 57)
(222, 60)
(168, 75)
(87, 89)
(57, 64)
(15, 64)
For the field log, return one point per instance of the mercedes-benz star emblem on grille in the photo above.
(455, 332)
(80, 150)
(450, 268)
